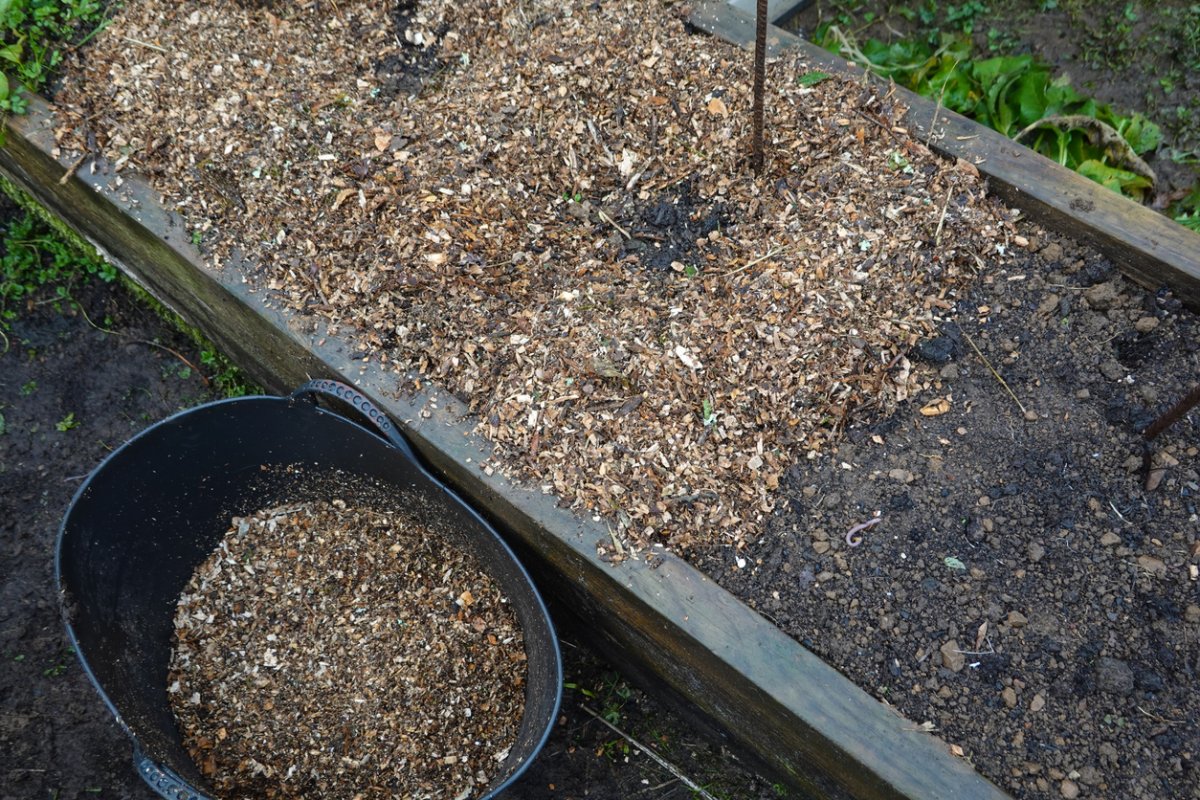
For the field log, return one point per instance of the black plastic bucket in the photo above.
(155, 509)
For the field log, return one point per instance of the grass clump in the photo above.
(44, 262)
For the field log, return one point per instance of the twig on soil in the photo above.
(176, 353)
(988, 364)
(752, 262)
(616, 542)
(662, 762)
(5, 338)
(937, 235)
(990, 652)
(937, 109)
(613, 222)
(71, 170)
(1157, 718)
(140, 43)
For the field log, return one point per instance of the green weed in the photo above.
(34, 261)
(67, 423)
(1013, 94)
(33, 35)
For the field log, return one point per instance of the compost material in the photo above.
(334, 651)
(556, 224)
(58, 738)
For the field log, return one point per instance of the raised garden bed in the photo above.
(771, 694)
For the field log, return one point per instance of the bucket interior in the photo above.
(158, 506)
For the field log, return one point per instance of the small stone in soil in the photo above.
(1114, 676)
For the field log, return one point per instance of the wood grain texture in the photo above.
(811, 727)
(1148, 248)
(777, 10)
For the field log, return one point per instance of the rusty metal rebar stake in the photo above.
(760, 77)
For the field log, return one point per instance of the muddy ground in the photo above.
(69, 394)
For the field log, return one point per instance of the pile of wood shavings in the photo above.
(558, 226)
(329, 651)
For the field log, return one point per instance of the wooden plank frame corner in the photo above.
(1148, 248)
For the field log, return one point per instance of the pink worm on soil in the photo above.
(855, 540)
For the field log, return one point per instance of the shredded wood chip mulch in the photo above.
(325, 650)
(544, 208)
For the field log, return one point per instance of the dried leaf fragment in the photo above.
(689, 360)
(936, 407)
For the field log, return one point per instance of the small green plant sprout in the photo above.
(67, 423)
(63, 659)
(897, 161)
(3, 425)
(812, 78)
(575, 687)
(708, 415)
(33, 34)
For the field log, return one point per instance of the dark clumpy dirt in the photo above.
(1029, 592)
(56, 738)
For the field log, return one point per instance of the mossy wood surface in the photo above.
(1148, 248)
(811, 727)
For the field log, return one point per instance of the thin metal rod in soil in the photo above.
(760, 79)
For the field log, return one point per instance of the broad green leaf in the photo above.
(1113, 177)
(1142, 134)
(1030, 96)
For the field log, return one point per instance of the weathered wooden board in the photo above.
(777, 10)
(1149, 248)
(811, 727)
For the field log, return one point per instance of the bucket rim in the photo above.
(149, 768)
